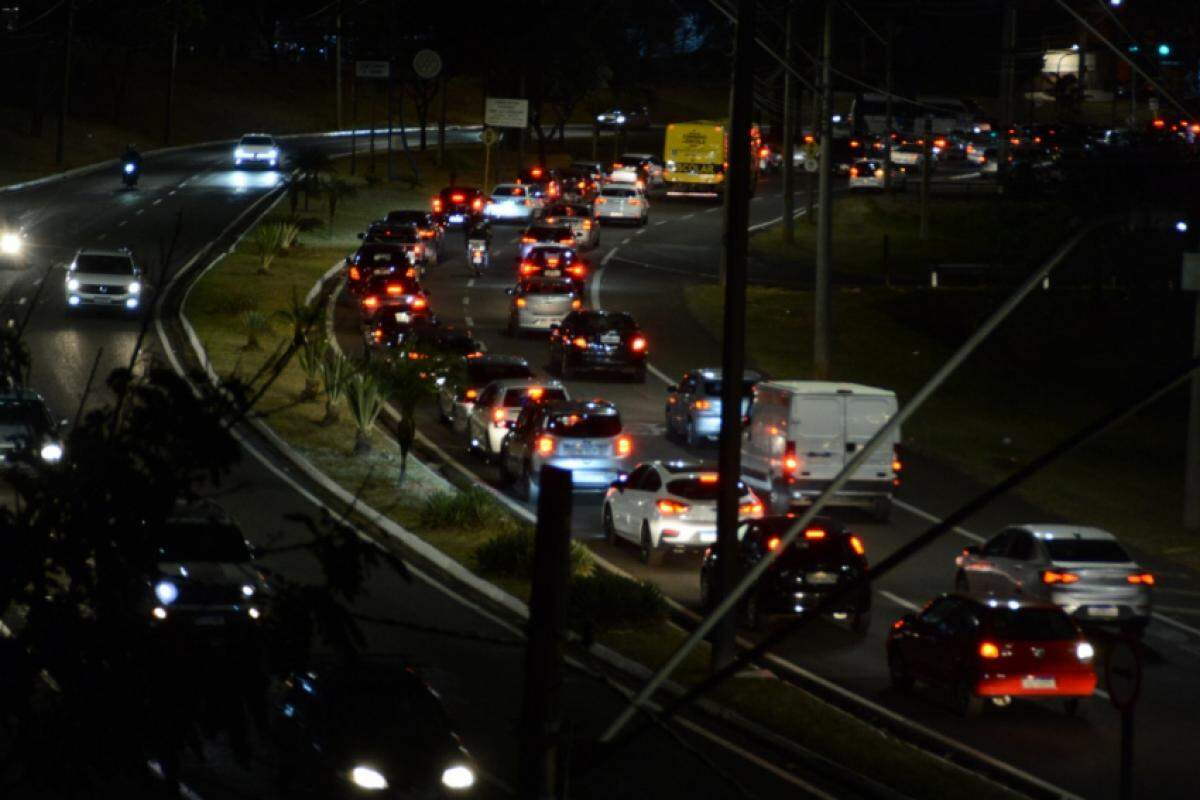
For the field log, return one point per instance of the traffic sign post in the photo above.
(370, 70)
(490, 137)
(1123, 677)
(506, 112)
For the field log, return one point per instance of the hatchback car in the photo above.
(553, 261)
(378, 259)
(585, 438)
(499, 405)
(542, 233)
(454, 205)
(693, 409)
(668, 506)
(512, 202)
(256, 149)
(824, 557)
(27, 429)
(579, 217)
(109, 278)
(645, 168)
(622, 202)
(868, 175)
(394, 295)
(541, 302)
(367, 729)
(458, 391)
(598, 340)
(981, 649)
(1085, 571)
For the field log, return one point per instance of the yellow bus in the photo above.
(695, 157)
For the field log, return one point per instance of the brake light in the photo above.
(535, 392)
(528, 268)
(709, 477)
(552, 261)
(764, 152)
(458, 197)
(545, 445)
(1050, 576)
(580, 342)
(536, 172)
(773, 543)
(426, 234)
(355, 275)
(791, 463)
(853, 143)
(1158, 123)
(752, 509)
(419, 302)
(633, 201)
(395, 289)
(377, 334)
(624, 446)
(601, 201)
(521, 302)
(857, 546)
(477, 203)
(638, 344)
(989, 650)
(587, 224)
(701, 405)
(568, 240)
(1143, 579)
(576, 304)
(528, 240)
(854, 172)
(897, 462)
(410, 273)
(437, 204)
(370, 302)
(814, 533)
(672, 507)
(577, 270)
(470, 394)
(498, 414)
(898, 624)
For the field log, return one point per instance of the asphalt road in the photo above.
(643, 271)
(185, 200)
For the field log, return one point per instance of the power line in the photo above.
(849, 7)
(39, 17)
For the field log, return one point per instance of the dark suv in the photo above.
(455, 205)
(598, 340)
(824, 556)
(378, 258)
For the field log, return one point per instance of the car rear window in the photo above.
(486, 373)
(713, 388)
(623, 193)
(515, 398)
(547, 286)
(104, 265)
(697, 489)
(509, 191)
(585, 425)
(549, 233)
(404, 234)
(202, 541)
(1031, 624)
(601, 323)
(1086, 550)
(401, 217)
(258, 140)
(379, 283)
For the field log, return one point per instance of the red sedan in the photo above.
(987, 648)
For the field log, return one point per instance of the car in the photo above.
(693, 408)
(668, 506)
(455, 205)
(256, 149)
(399, 296)
(594, 170)
(598, 340)
(576, 185)
(824, 557)
(458, 390)
(512, 202)
(28, 431)
(538, 302)
(100, 277)
(585, 438)
(367, 728)
(646, 168)
(542, 233)
(579, 217)
(867, 175)
(406, 234)
(204, 573)
(419, 338)
(542, 182)
(984, 648)
(553, 261)
(379, 258)
(429, 230)
(622, 202)
(13, 242)
(909, 154)
(497, 408)
(626, 117)
(1083, 570)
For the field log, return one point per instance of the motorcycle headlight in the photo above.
(52, 452)
(166, 592)
(365, 777)
(458, 776)
(135, 288)
(248, 590)
(10, 244)
(73, 284)
(129, 167)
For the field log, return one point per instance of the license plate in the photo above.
(1104, 611)
(402, 316)
(477, 259)
(456, 217)
(553, 273)
(210, 621)
(821, 578)
(1032, 682)
(611, 338)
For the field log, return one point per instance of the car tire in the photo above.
(881, 509)
(961, 584)
(898, 671)
(969, 704)
(607, 525)
(651, 556)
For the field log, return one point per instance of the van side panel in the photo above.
(865, 416)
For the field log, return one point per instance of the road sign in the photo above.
(427, 64)
(506, 112)
(810, 165)
(1123, 674)
(372, 69)
(490, 136)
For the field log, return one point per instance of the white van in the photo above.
(800, 435)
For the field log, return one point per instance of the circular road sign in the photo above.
(490, 136)
(810, 165)
(1123, 674)
(427, 64)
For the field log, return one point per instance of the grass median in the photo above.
(233, 297)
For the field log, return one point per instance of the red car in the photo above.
(988, 648)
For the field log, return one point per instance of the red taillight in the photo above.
(427, 234)
(535, 392)
(498, 414)
(370, 302)
(764, 152)
(377, 334)
(437, 204)
(528, 268)
(521, 302)
(580, 342)
(791, 463)
(536, 172)
(624, 446)
(545, 445)
(633, 201)
(1142, 579)
(477, 203)
(898, 624)
(709, 477)
(989, 651)
(773, 543)
(470, 394)
(601, 201)
(857, 546)
(576, 304)
(897, 462)
(419, 302)
(587, 224)
(355, 275)
(394, 289)
(568, 241)
(1158, 123)
(578, 270)
(672, 507)
(701, 405)
(854, 172)
(1050, 576)
(752, 509)
(814, 533)
(637, 344)
(528, 240)
(458, 197)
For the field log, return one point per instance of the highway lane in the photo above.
(478, 679)
(1036, 737)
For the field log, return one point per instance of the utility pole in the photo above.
(1191, 492)
(540, 776)
(926, 171)
(171, 71)
(66, 86)
(733, 342)
(1008, 39)
(890, 109)
(816, 131)
(789, 139)
(822, 289)
(337, 62)
(441, 159)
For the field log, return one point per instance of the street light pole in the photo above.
(789, 139)
(822, 289)
(1008, 38)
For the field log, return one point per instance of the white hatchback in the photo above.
(258, 149)
(512, 202)
(622, 202)
(498, 407)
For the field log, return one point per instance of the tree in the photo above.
(267, 244)
(406, 382)
(365, 403)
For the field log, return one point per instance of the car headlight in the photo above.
(129, 167)
(248, 590)
(240, 153)
(620, 118)
(599, 118)
(1084, 651)
(458, 777)
(73, 284)
(166, 592)
(273, 153)
(135, 288)
(10, 244)
(52, 452)
(365, 777)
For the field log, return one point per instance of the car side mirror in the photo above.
(672, 389)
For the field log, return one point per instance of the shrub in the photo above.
(509, 554)
(365, 403)
(267, 242)
(335, 376)
(471, 508)
(605, 600)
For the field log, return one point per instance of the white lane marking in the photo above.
(689, 216)
(925, 515)
(22, 301)
(140, 211)
(898, 600)
(466, 301)
(470, 322)
(626, 240)
(1174, 623)
(608, 256)
(171, 193)
(122, 223)
(776, 221)
(712, 210)
(661, 222)
(594, 285)
(157, 202)
(470, 282)
(102, 236)
(37, 282)
(639, 231)
(658, 373)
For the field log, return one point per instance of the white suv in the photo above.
(104, 278)
(258, 149)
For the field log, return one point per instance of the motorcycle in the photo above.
(130, 170)
(478, 255)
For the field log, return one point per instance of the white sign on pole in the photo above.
(505, 112)
(372, 69)
(427, 64)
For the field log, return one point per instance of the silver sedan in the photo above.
(540, 302)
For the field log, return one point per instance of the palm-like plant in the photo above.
(365, 402)
(267, 244)
(289, 233)
(406, 383)
(256, 324)
(335, 374)
(311, 356)
(302, 317)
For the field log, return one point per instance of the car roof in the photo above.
(1062, 531)
(500, 186)
(678, 467)
(715, 373)
(116, 252)
(829, 387)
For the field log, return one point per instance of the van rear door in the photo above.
(865, 416)
(818, 429)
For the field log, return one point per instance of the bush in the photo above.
(466, 509)
(605, 600)
(509, 554)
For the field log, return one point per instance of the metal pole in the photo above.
(171, 71)
(595, 139)
(441, 158)
(1008, 39)
(66, 86)
(822, 290)
(540, 732)
(890, 125)
(353, 123)
(1127, 745)
(882, 435)
(391, 99)
(371, 148)
(789, 139)
(733, 342)
(926, 173)
(337, 66)
(1191, 489)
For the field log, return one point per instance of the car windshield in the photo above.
(712, 388)
(509, 191)
(602, 323)
(478, 373)
(104, 265)
(612, 192)
(1086, 550)
(699, 488)
(585, 424)
(1031, 624)
(264, 141)
(202, 541)
(400, 217)
(515, 398)
(548, 233)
